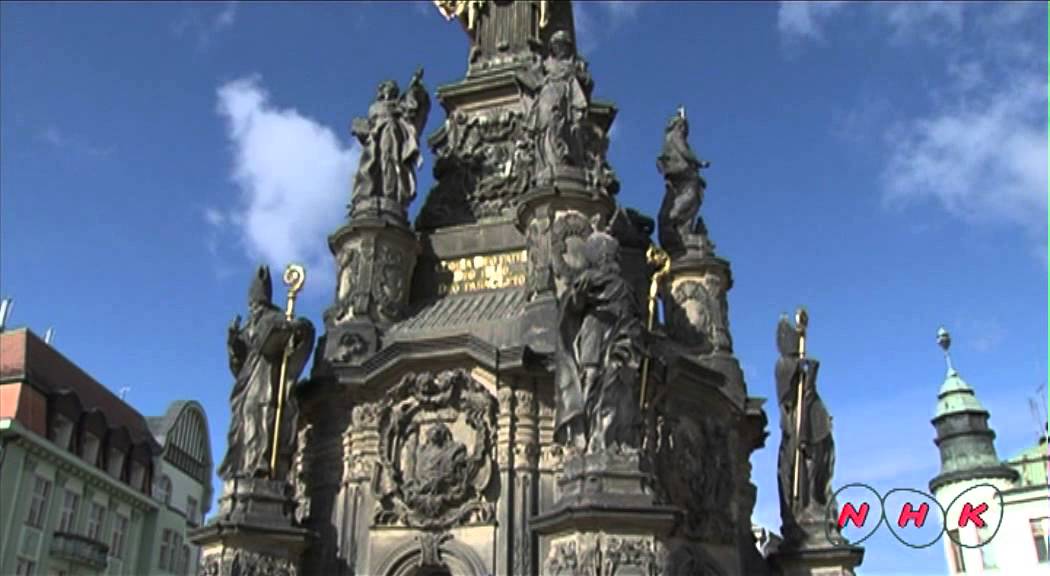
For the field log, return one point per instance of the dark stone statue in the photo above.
(389, 138)
(556, 117)
(679, 220)
(600, 351)
(804, 517)
(256, 351)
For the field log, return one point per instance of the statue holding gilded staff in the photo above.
(267, 355)
(806, 460)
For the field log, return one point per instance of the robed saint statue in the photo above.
(806, 460)
(256, 352)
(600, 352)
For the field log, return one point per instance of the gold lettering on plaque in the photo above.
(482, 272)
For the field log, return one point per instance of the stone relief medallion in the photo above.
(695, 472)
(692, 320)
(568, 236)
(435, 451)
(389, 288)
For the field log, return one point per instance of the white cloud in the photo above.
(293, 175)
(204, 29)
(596, 21)
(805, 20)
(930, 21)
(61, 140)
(982, 159)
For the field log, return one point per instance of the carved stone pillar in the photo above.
(504, 459)
(375, 261)
(697, 315)
(551, 218)
(526, 460)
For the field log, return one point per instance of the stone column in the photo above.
(526, 460)
(505, 510)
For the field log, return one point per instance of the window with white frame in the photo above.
(958, 563)
(988, 558)
(191, 510)
(119, 536)
(164, 560)
(67, 521)
(178, 559)
(25, 567)
(96, 518)
(1039, 538)
(38, 502)
(164, 489)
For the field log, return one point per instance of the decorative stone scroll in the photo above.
(435, 451)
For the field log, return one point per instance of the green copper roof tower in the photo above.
(966, 443)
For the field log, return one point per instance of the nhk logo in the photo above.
(915, 518)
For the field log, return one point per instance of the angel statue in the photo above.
(390, 153)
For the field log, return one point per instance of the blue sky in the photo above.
(885, 165)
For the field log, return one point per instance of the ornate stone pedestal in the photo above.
(696, 297)
(818, 561)
(376, 255)
(255, 532)
(605, 521)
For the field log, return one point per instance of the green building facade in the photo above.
(89, 485)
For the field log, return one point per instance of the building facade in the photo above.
(81, 468)
(1016, 544)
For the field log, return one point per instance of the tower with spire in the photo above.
(969, 462)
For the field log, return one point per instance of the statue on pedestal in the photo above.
(389, 139)
(260, 403)
(679, 220)
(600, 351)
(806, 460)
(556, 117)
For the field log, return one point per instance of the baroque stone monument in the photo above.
(495, 391)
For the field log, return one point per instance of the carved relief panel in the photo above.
(695, 471)
(435, 451)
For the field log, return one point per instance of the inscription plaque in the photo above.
(482, 272)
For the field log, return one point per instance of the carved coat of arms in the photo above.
(436, 434)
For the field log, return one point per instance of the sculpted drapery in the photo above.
(556, 116)
(389, 137)
(803, 514)
(600, 339)
(255, 354)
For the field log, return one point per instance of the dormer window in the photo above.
(89, 448)
(61, 433)
(115, 463)
(137, 476)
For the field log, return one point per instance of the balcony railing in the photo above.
(80, 549)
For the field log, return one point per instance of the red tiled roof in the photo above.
(24, 356)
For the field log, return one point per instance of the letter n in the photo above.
(918, 517)
(849, 513)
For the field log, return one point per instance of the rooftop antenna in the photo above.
(124, 392)
(49, 336)
(5, 310)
